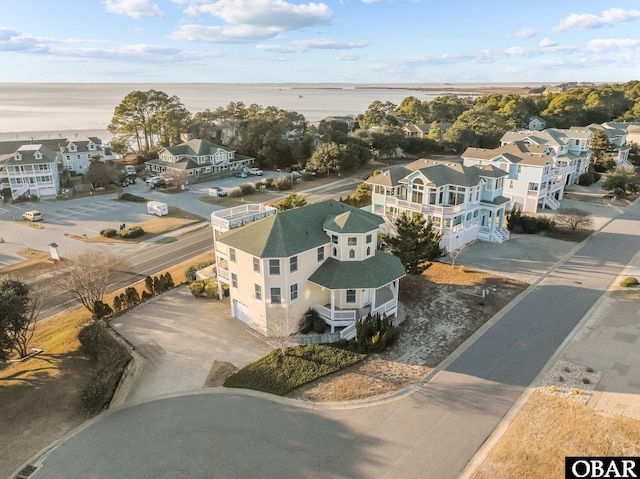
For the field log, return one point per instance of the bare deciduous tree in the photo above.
(279, 330)
(175, 178)
(89, 276)
(573, 218)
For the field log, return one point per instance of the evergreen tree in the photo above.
(415, 243)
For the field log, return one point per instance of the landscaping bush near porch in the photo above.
(278, 374)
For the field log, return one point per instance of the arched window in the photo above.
(417, 190)
(335, 251)
(352, 253)
(368, 250)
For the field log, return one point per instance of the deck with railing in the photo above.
(230, 218)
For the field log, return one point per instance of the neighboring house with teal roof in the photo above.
(322, 256)
(463, 203)
(198, 159)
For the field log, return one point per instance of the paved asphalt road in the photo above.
(432, 432)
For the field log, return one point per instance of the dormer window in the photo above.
(17, 157)
(37, 155)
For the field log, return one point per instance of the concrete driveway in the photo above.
(178, 338)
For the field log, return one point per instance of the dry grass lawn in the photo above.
(550, 428)
(36, 262)
(40, 397)
(155, 226)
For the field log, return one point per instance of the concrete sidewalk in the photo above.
(609, 342)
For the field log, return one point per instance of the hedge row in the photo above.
(112, 358)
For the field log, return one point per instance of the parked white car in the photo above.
(255, 171)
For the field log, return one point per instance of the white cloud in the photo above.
(265, 13)
(525, 33)
(601, 44)
(546, 43)
(299, 46)
(18, 42)
(228, 34)
(133, 8)
(588, 21)
(348, 57)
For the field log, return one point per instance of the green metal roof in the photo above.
(293, 231)
(375, 272)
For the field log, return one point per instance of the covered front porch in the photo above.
(382, 300)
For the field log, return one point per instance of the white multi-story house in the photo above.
(535, 179)
(198, 158)
(324, 256)
(569, 148)
(30, 171)
(464, 203)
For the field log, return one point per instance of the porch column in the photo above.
(333, 293)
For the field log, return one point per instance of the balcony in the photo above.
(432, 210)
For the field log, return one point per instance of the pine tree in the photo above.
(415, 243)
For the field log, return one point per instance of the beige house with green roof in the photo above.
(322, 256)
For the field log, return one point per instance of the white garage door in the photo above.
(241, 311)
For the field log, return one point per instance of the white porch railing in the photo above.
(349, 332)
(390, 308)
(432, 210)
(336, 317)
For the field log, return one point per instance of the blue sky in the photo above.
(349, 41)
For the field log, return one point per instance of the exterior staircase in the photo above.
(19, 191)
(500, 235)
(552, 203)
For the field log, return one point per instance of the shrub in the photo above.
(628, 282)
(146, 295)
(586, 381)
(247, 188)
(101, 310)
(108, 232)
(130, 197)
(589, 370)
(207, 288)
(158, 285)
(235, 192)
(586, 179)
(132, 296)
(278, 374)
(210, 289)
(566, 369)
(375, 333)
(190, 273)
(133, 232)
(117, 304)
(561, 379)
(148, 284)
(281, 183)
(168, 280)
(197, 288)
(111, 357)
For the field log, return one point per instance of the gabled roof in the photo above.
(27, 152)
(373, 272)
(519, 152)
(194, 147)
(441, 173)
(294, 231)
(390, 177)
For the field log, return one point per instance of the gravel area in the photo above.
(571, 381)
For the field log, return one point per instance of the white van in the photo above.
(32, 215)
(130, 170)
